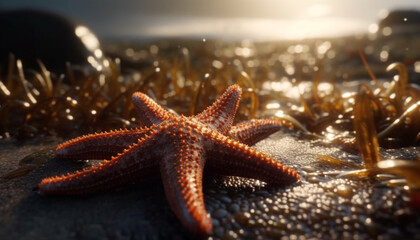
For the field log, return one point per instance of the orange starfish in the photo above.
(177, 148)
(107, 144)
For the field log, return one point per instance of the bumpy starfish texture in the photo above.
(249, 132)
(253, 131)
(176, 148)
(107, 144)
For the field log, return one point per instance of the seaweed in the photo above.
(378, 114)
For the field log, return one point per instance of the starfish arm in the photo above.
(220, 115)
(135, 163)
(253, 131)
(148, 111)
(182, 180)
(229, 157)
(99, 145)
(177, 147)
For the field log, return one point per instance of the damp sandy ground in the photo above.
(320, 206)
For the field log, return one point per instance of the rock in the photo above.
(34, 34)
(220, 213)
(400, 19)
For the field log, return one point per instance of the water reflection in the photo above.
(91, 42)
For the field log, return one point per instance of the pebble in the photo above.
(225, 199)
(344, 191)
(220, 213)
(92, 232)
(242, 217)
(215, 222)
(230, 235)
(234, 208)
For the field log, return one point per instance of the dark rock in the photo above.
(220, 213)
(92, 232)
(33, 34)
(400, 18)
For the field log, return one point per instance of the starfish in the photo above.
(177, 148)
(107, 144)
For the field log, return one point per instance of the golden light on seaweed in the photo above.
(365, 128)
(323, 106)
(39, 102)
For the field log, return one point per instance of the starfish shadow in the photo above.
(134, 211)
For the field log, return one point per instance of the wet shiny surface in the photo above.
(306, 84)
(322, 205)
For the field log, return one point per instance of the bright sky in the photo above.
(227, 19)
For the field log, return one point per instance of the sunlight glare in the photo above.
(318, 10)
(87, 37)
(254, 28)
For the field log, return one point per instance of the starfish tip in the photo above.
(61, 151)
